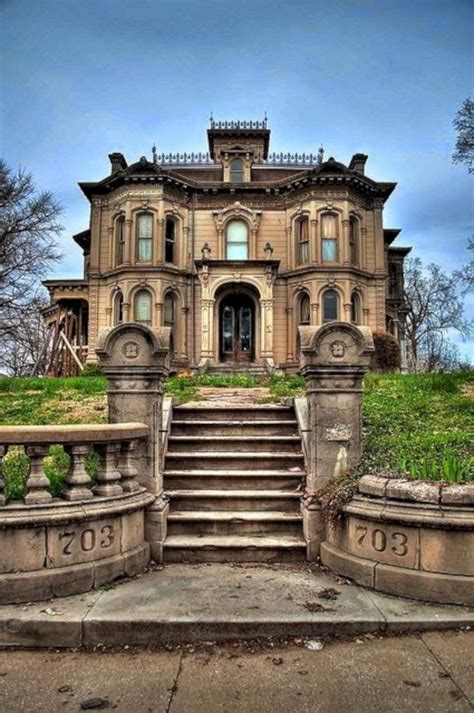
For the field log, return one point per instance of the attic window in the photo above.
(237, 170)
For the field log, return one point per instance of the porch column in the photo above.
(207, 328)
(266, 324)
(290, 334)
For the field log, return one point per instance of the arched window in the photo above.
(118, 308)
(302, 240)
(120, 240)
(305, 310)
(356, 311)
(144, 237)
(237, 170)
(354, 241)
(142, 307)
(237, 240)
(329, 237)
(330, 306)
(170, 239)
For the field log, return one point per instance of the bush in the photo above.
(386, 358)
(91, 370)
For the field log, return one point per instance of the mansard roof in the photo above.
(279, 177)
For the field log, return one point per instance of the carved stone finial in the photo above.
(206, 251)
(155, 156)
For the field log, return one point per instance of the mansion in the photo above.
(233, 249)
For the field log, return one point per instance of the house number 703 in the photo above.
(88, 539)
(377, 539)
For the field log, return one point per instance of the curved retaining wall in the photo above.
(409, 539)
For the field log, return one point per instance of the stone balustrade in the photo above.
(90, 535)
(116, 445)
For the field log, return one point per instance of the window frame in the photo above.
(333, 239)
(138, 293)
(302, 240)
(120, 238)
(354, 241)
(240, 172)
(356, 308)
(142, 239)
(170, 220)
(237, 243)
(330, 291)
(118, 307)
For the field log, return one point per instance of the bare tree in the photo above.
(29, 229)
(435, 305)
(463, 122)
(25, 345)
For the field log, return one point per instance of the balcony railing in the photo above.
(116, 446)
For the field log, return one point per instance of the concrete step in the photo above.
(234, 444)
(283, 427)
(248, 412)
(232, 460)
(234, 522)
(223, 548)
(232, 479)
(198, 500)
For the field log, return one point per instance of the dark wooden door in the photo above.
(236, 329)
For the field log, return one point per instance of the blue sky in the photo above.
(82, 78)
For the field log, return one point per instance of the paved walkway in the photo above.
(195, 603)
(432, 672)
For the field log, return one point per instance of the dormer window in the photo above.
(237, 170)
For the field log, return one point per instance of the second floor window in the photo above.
(329, 238)
(237, 240)
(142, 307)
(144, 237)
(120, 241)
(170, 239)
(354, 241)
(237, 170)
(302, 237)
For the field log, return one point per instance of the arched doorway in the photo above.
(237, 329)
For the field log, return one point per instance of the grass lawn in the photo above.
(418, 424)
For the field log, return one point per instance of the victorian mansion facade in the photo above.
(233, 249)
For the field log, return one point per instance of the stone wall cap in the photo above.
(420, 491)
(70, 434)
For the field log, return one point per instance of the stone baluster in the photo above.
(126, 465)
(108, 476)
(37, 483)
(3, 500)
(77, 479)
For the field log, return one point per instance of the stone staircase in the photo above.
(234, 477)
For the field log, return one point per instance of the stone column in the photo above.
(290, 334)
(334, 359)
(266, 322)
(128, 247)
(135, 360)
(315, 251)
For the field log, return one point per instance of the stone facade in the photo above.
(236, 242)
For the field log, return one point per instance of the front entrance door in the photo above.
(236, 329)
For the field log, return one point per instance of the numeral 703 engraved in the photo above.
(378, 540)
(87, 539)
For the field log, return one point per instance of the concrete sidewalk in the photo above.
(195, 603)
(431, 672)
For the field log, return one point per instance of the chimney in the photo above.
(117, 161)
(358, 162)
